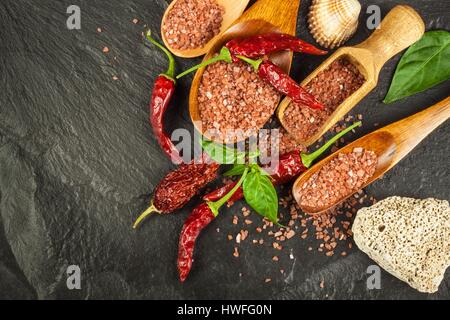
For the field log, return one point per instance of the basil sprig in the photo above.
(424, 65)
(259, 191)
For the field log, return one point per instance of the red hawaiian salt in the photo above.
(339, 178)
(331, 87)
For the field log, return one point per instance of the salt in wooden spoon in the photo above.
(265, 16)
(233, 10)
(391, 144)
(400, 28)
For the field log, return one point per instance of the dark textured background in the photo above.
(78, 162)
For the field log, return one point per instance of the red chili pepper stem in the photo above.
(308, 159)
(145, 214)
(215, 206)
(254, 63)
(224, 55)
(170, 73)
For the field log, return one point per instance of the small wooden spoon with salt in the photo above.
(265, 16)
(233, 10)
(400, 28)
(391, 144)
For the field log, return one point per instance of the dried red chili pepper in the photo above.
(261, 45)
(290, 166)
(254, 47)
(162, 93)
(180, 186)
(284, 84)
(272, 74)
(200, 217)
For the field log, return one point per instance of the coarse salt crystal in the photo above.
(290, 234)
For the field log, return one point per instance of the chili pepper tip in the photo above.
(145, 214)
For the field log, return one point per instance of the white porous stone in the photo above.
(407, 237)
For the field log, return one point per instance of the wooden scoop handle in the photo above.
(401, 28)
(409, 132)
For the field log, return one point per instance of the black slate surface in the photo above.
(78, 161)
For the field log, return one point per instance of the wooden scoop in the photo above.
(265, 16)
(400, 28)
(233, 10)
(391, 144)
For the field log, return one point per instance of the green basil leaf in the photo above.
(237, 170)
(261, 195)
(424, 65)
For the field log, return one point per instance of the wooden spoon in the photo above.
(265, 16)
(391, 144)
(400, 28)
(233, 10)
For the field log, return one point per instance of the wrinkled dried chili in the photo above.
(162, 93)
(254, 47)
(290, 166)
(200, 217)
(178, 187)
(267, 70)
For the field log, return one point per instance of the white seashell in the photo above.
(333, 22)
